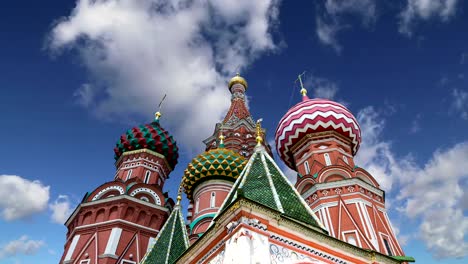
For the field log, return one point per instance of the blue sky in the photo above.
(78, 74)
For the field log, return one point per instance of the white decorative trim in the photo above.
(72, 247)
(346, 182)
(113, 241)
(148, 191)
(345, 124)
(107, 189)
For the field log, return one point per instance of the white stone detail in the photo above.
(113, 241)
(72, 247)
(105, 190)
(149, 191)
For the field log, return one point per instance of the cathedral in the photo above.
(242, 208)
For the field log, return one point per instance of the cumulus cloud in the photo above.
(29, 197)
(436, 195)
(137, 51)
(433, 194)
(21, 246)
(332, 19)
(61, 209)
(424, 10)
(375, 154)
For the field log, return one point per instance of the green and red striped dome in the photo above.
(150, 136)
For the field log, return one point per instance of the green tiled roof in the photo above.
(171, 241)
(263, 182)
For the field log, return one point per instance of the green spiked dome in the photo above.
(149, 136)
(218, 163)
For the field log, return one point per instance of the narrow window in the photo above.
(197, 205)
(129, 174)
(306, 167)
(345, 159)
(327, 159)
(213, 200)
(147, 176)
(387, 246)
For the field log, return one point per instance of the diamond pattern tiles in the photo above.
(171, 242)
(150, 136)
(263, 182)
(217, 163)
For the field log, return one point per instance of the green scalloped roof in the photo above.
(220, 162)
(263, 182)
(171, 242)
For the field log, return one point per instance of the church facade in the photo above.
(242, 208)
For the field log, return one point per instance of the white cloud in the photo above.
(61, 209)
(85, 94)
(326, 32)
(332, 20)
(21, 246)
(433, 194)
(460, 103)
(137, 51)
(424, 10)
(322, 87)
(375, 154)
(23, 198)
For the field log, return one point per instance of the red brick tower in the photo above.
(319, 138)
(209, 177)
(117, 222)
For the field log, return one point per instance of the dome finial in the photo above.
(179, 194)
(158, 114)
(259, 132)
(303, 90)
(237, 79)
(221, 139)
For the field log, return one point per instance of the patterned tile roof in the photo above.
(263, 182)
(171, 241)
(219, 163)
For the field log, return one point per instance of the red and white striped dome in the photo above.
(311, 116)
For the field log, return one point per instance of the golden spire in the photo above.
(157, 115)
(179, 194)
(259, 132)
(221, 139)
(303, 90)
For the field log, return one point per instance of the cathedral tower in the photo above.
(209, 177)
(319, 138)
(117, 222)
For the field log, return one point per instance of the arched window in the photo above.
(197, 205)
(213, 200)
(147, 176)
(129, 174)
(345, 159)
(352, 240)
(306, 167)
(327, 159)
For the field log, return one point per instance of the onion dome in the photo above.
(312, 116)
(149, 136)
(216, 163)
(237, 79)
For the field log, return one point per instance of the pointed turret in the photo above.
(171, 242)
(238, 124)
(263, 182)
